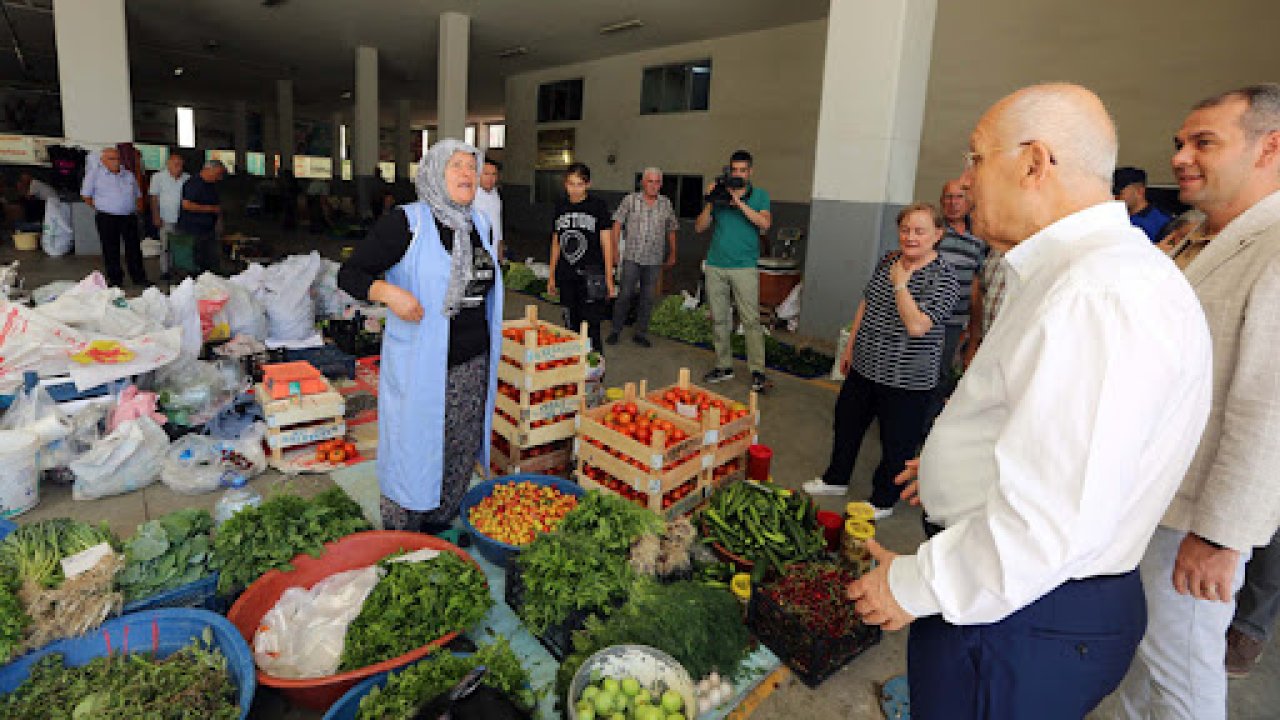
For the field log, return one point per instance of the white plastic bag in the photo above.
(35, 411)
(50, 291)
(291, 311)
(127, 459)
(243, 314)
(57, 239)
(184, 314)
(331, 300)
(304, 634)
(191, 466)
(842, 341)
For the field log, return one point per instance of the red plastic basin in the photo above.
(352, 552)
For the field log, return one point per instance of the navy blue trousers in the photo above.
(1056, 658)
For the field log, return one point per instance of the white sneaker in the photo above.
(818, 486)
(882, 513)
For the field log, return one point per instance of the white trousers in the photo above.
(1179, 671)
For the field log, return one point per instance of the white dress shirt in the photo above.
(489, 202)
(1072, 429)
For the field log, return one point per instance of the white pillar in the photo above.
(365, 157)
(335, 155)
(403, 139)
(284, 111)
(873, 94)
(482, 137)
(240, 130)
(451, 84)
(93, 71)
(270, 141)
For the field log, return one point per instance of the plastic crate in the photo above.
(812, 657)
(6, 527)
(498, 552)
(201, 594)
(328, 359)
(162, 631)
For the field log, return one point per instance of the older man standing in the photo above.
(201, 208)
(1050, 468)
(648, 246)
(1227, 165)
(166, 203)
(113, 192)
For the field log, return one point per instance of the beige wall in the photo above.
(764, 97)
(1149, 60)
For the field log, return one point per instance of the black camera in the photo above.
(719, 194)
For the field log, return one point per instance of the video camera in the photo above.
(719, 194)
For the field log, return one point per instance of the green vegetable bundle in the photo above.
(802, 361)
(413, 604)
(671, 319)
(34, 552)
(519, 277)
(193, 683)
(270, 536)
(400, 698)
(699, 626)
(767, 526)
(610, 521)
(563, 573)
(13, 617)
(163, 554)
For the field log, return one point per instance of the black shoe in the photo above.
(759, 383)
(717, 375)
(642, 341)
(612, 339)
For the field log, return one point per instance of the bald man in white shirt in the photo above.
(1062, 446)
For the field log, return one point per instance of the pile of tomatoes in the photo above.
(640, 425)
(517, 512)
(545, 336)
(336, 451)
(539, 396)
(672, 398)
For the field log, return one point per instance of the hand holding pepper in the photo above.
(873, 600)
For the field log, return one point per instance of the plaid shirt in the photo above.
(645, 228)
(992, 278)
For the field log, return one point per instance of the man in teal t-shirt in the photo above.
(737, 223)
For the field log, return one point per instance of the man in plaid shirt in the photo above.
(647, 219)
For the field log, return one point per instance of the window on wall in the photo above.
(682, 87)
(497, 135)
(186, 127)
(469, 135)
(560, 101)
(684, 191)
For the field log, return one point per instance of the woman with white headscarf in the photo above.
(432, 263)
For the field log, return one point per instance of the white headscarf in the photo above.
(432, 191)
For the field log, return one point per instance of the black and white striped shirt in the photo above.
(883, 351)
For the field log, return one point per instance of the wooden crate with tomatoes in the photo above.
(730, 471)
(553, 458)
(299, 420)
(641, 451)
(729, 427)
(541, 379)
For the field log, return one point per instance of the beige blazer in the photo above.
(1231, 494)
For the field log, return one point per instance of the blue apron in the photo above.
(414, 368)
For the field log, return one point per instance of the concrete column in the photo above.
(403, 139)
(284, 111)
(365, 157)
(240, 131)
(482, 137)
(873, 94)
(335, 154)
(93, 71)
(270, 141)
(451, 84)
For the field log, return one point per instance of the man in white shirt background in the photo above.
(489, 202)
(1051, 466)
(166, 203)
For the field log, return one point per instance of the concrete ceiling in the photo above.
(235, 49)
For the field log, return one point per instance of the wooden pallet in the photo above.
(301, 420)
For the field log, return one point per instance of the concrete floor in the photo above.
(796, 421)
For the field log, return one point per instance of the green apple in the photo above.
(604, 703)
(590, 693)
(676, 716)
(644, 697)
(610, 685)
(650, 712)
(630, 686)
(672, 702)
(586, 712)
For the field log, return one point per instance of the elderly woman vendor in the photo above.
(432, 263)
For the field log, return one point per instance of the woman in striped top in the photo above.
(892, 364)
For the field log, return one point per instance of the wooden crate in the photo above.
(521, 416)
(652, 470)
(587, 475)
(555, 458)
(724, 441)
(726, 473)
(300, 420)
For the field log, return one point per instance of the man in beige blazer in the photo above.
(1227, 165)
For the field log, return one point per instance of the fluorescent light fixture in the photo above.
(177, 72)
(186, 127)
(342, 142)
(621, 25)
(511, 52)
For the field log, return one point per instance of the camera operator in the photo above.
(738, 213)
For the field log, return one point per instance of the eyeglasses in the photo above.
(971, 158)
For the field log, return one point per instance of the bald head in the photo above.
(1069, 119)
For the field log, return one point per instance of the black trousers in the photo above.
(901, 415)
(113, 230)
(206, 253)
(573, 297)
(946, 375)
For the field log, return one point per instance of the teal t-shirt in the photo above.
(735, 242)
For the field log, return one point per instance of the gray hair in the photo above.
(1263, 113)
(1081, 138)
(650, 171)
(215, 165)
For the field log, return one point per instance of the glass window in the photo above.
(497, 135)
(257, 163)
(681, 87)
(560, 101)
(186, 127)
(469, 135)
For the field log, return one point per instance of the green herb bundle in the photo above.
(192, 683)
(34, 551)
(699, 626)
(518, 277)
(400, 698)
(163, 554)
(671, 319)
(563, 573)
(13, 617)
(413, 604)
(610, 521)
(270, 536)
